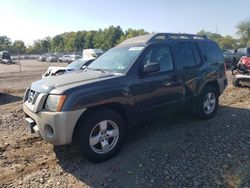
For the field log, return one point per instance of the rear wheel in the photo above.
(207, 103)
(100, 135)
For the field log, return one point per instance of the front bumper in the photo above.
(55, 127)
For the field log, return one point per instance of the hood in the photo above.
(78, 78)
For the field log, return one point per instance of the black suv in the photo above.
(141, 76)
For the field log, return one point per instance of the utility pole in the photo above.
(17, 54)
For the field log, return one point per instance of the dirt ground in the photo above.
(174, 150)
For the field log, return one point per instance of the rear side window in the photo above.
(196, 54)
(185, 55)
(211, 51)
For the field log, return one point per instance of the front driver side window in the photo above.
(161, 55)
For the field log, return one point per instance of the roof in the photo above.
(160, 37)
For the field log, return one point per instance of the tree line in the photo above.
(72, 41)
(229, 42)
(108, 38)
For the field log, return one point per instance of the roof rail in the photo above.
(160, 37)
(169, 36)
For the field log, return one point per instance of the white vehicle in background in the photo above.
(73, 58)
(64, 58)
(89, 55)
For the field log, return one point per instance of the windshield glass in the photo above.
(117, 59)
(77, 64)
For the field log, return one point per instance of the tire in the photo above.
(207, 103)
(97, 128)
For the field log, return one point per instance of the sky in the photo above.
(28, 20)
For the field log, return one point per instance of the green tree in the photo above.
(57, 43)
(69, 39)
(79, 41)
(89, 39)
(132, 33)
(228, 42)
(243, 31)
(5, 43)
(108, 37)
(20, 46)
(213, 36)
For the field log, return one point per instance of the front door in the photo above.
(156, 90)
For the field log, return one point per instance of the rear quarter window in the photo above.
(185, 55)
(211, 51)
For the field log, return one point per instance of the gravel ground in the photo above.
(173, 150)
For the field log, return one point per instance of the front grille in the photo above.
(32, 96)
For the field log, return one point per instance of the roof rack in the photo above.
(171, 36)
(160, 37)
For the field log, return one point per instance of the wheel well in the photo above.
(213, 84)
(117, 107)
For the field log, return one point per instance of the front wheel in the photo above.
(100, 135)
(207, 103)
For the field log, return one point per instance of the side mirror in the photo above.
(151, 67)
(83, 67)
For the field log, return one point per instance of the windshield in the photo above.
(117, 59)
(77, 64)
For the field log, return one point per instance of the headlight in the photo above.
(54, 103)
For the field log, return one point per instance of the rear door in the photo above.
(189, 61)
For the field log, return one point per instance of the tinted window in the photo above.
(185, 55)
(196, 53)
(161, 55)
(5, 55)
(212, 51)
(248, 50)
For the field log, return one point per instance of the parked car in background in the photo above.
(52, 58)
(228, 58)
(73, 58)
(76, 65)
(238, 53)
(42, 58)
(142, 76)
(64, 58)
(5, 57)
(89, 55)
